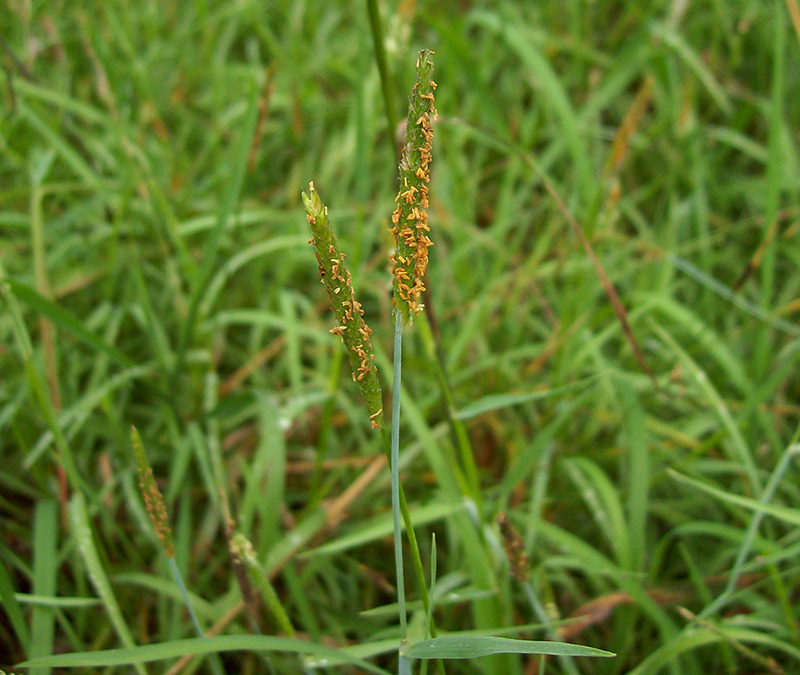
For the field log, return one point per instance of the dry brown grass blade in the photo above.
(598, 610)
(608, 286)
(337, 509)
(255, 362)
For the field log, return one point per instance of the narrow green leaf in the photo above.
(690, 640)
(56, 140)
(476, 646)
(10, 603)
(55, 601)
(67, 321)
(195, 647)
(523, 43)
(603, 502)
(497, 401)
(381, 527)
(694, 61)
(781, 512)
(81, 528)
(45, 566)
(228, 203)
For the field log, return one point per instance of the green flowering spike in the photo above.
(410, 218)
(153, 501)
(351, 326)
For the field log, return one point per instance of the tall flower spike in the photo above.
(351, 326)
(410, 217)
(153, 501)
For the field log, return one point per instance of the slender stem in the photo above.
(176, 573)
(387, 86)
(395, 468)
(216, 664)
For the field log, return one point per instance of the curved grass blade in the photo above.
(196, 647)
(79, 519)
(476, 646)
(67, 321)
(784, 513)
(10, 602)
(694, 639)
(497, 401)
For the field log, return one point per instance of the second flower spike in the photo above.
(351, 326)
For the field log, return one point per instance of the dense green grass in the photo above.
(157, 274)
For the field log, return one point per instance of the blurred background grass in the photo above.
(154, 249)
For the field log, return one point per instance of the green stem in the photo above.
(395, 469)
(387, 86)
(399, 504)
(216, 664)
(176, 573)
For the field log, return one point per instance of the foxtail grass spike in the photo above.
(351, 326)
(410, 218)
(153, 501)
(515, 549)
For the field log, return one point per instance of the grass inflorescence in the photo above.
(410, 217)
(351, 327)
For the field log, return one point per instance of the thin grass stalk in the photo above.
(404, 664)
(397, 367)
(409, 264)
(410, 258)
(457, 427)
(387, 85)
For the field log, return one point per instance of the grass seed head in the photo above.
(153, 500)
(515, 549)
(410, 217)
(349, 314)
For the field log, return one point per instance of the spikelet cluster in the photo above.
(518, 560)
(410, 218)
(153, 500)
(351, 327)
